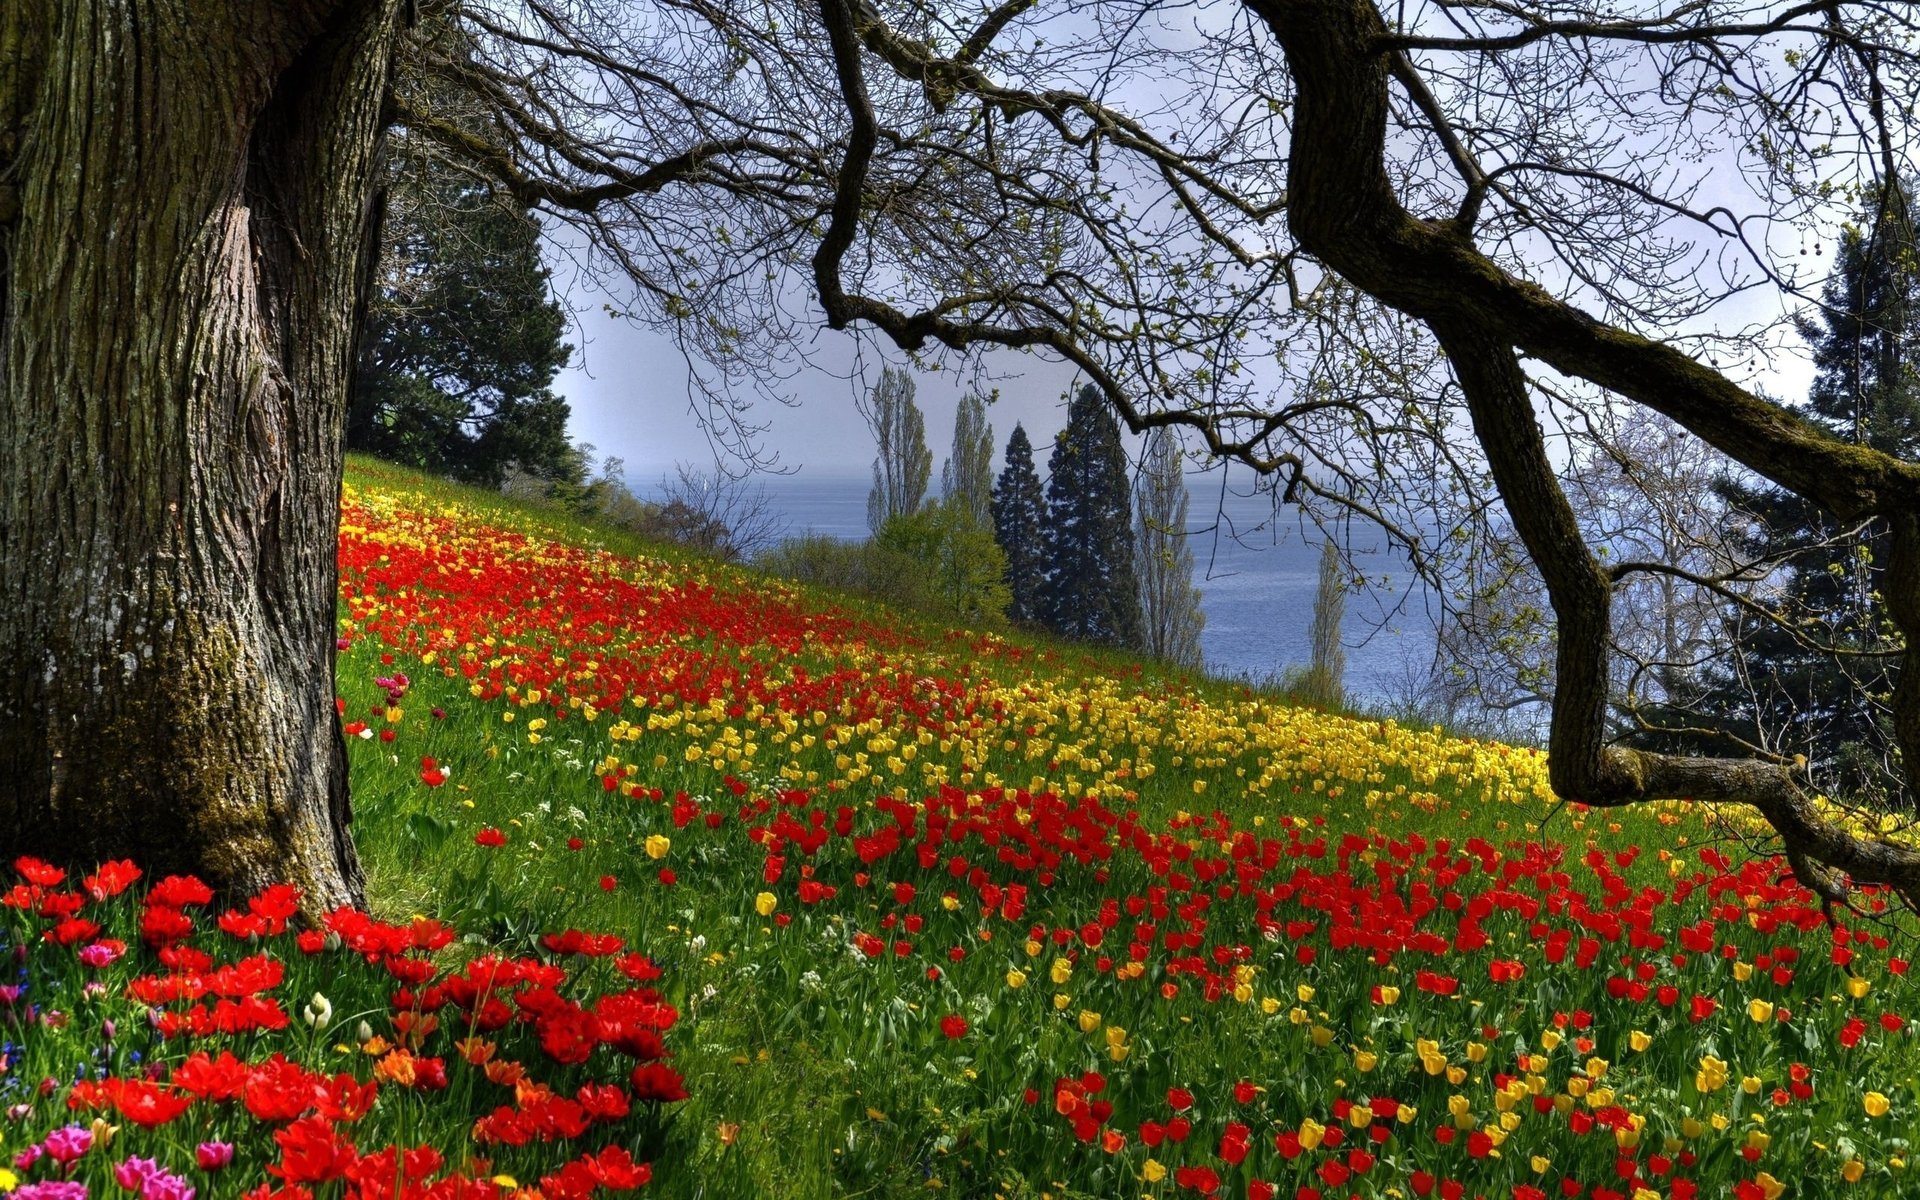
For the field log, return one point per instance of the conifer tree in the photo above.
(1813, 677)
(967, 477)
(1019, 525)
(1169, 603)
(902, 463)
(1092, 593)
(461, 339)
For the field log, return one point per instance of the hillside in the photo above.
(906, 910)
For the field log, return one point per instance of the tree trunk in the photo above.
(184, 198)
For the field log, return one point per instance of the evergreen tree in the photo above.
(1092, 593)
(968, 474)
(1813, 677)
(1019, 525)
(1169, 603)
(902, 463)
(461, 339)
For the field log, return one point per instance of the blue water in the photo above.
(1256, 573)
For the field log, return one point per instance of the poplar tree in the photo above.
(1169, 603)
(967, 477)
(902, 463)
(1019, 525)
(1092, 592)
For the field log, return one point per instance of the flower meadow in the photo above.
(688, 882)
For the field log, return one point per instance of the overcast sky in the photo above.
(629, 392)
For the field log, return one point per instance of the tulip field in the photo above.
(692, 883)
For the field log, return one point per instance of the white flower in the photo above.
(318, 1012)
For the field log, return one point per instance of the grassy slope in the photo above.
(814, 1073)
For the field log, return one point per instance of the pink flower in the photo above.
(132, 1172)
(98, 954)
(213, 1155)
(69, 1143)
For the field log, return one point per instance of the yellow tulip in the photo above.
(1639, 1040)
(1152, 1171)
(657, 845)
(1852, 1170)
(765, 903)
(1876, 1104)
(1016, 979)
(1759, 1010)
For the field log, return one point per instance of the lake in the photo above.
(1256, 574)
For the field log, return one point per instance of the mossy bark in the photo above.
(183, 250)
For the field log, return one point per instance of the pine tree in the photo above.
(902, 463)
(1019, 525)
(1092, 593)
(461, 340)
(1785, 687)
(1169, 603)
(968, 475)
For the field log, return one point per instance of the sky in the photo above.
(629, 392)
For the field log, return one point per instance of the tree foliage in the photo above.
(1091, 591)
(902, 464)
(963, 566)
(461, 340)
(1019, 525)
(1170, 614)
(968, 471)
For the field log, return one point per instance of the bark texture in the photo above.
(184, 199)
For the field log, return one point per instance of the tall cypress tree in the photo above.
(1804, 680)
(1019, 525)
(1092, 592)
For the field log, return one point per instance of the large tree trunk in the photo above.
(184, 190)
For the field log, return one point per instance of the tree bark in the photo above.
(183, 248)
